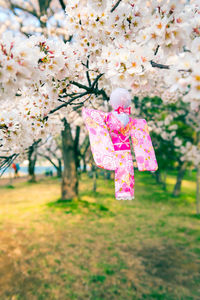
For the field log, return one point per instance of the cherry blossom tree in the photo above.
(150, 46)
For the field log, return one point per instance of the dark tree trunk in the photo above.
(83, 150)
(32, 157)
(180, 175)
(164, 180)
(94, 175)
(76, 147)
(158, 176)
(84, 165)
(198, 190)
(106, 174)
(69, 176)
(59, 168)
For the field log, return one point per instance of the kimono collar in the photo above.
(121, 109)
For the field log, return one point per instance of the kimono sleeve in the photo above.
(100, 141)
(142, 145)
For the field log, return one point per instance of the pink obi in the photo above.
(119, 134)
(120, 141)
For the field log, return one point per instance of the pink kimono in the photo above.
(110, 146)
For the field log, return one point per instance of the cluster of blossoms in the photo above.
(27, 18)
(174, 127)
(122, 44)
(190, 153)
(23, 124)
(33, 73)
(30, 63)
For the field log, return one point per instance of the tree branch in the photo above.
(115, 6)
(157, 48)
(160, 66)
(87, 73)
(48, 158)
(6, 161)
(96, 80)
(62, 4)
(32, 12)
(65, 104)
(81, 86)
(103, 93)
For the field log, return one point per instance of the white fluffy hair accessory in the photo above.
(120, 97)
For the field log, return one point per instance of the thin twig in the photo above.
(32, 12)
(157, 48)
(96, 80)
(7, 162)
(160, 66)
(115, 6)
(87, 73)
(65, 104)
(81, 86)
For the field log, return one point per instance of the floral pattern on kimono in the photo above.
(111, 149)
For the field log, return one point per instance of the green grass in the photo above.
(97, 247)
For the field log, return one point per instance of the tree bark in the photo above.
(94, 175)
(83, 150)
(84, 165)
(164, 180)
(180, 175)
(59, 169)
(106, 175)
(69, 177)
(32, 157)
(76, 147)
(158, 176)
(198, 190)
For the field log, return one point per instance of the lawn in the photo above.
(98, 247)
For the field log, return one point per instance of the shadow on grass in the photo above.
(195, 216)
(185, 215)
(81, 207)
(158, 194)
(170, 262)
